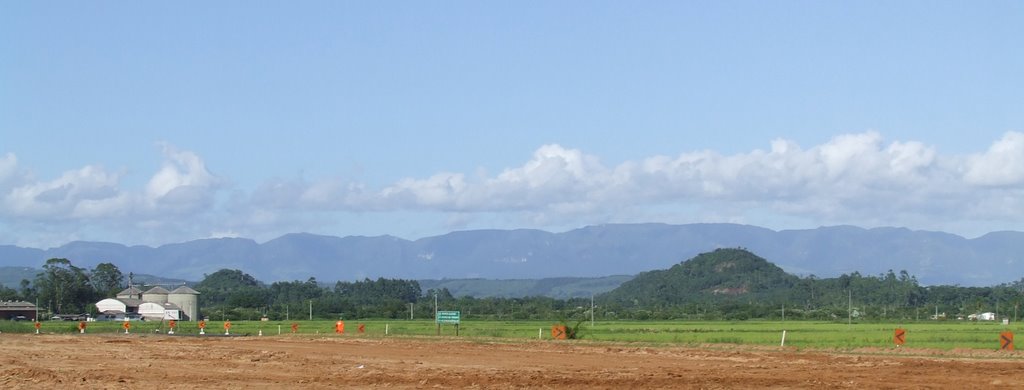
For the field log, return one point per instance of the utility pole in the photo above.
(591, 310)
(849, 308)
(435, 306)
(311, 310)
(410, 310)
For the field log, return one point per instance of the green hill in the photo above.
(720, 275)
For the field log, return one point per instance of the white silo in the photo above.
(187, 299)
(156, 295)
(130, 293)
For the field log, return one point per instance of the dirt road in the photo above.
(140, 361)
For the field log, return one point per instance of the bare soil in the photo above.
(160, 361)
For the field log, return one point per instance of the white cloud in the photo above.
(92, 196)
(850, 179)
(60, 197)
(183, 182)
(1001, 165)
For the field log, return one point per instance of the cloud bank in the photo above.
(853, 178)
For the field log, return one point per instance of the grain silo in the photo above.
(187, 299)
(130, 293)
(156, 295)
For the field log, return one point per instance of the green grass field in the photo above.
(801, 334)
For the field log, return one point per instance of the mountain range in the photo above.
(614, 249)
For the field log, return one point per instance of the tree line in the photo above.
(756, 292)
(64, 288)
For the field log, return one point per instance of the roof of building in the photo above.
(157, 290)
(184, 290)
(130, 291)
(166, 306)
(12, 305)
(131, 302)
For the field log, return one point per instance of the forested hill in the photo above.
(716, 275)
(737, 284)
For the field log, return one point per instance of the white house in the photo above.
(986, 316)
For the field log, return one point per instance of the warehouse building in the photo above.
(181, 304)
(17, 310)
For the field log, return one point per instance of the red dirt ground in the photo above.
(158, 361)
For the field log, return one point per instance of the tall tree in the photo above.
(27, 290)
(8, 294)
(106, 279)
(64, 287)
(231, 285)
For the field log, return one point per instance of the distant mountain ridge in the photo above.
(616, 249)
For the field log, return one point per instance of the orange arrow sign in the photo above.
(899, 337)
(558, 332)
(1006, 341)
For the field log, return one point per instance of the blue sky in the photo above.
(159, 123)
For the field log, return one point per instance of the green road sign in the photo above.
(448, 317)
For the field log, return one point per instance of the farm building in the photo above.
(159, 311)
(17, 310)
(156, 303)
(116, 306)
(986, 316)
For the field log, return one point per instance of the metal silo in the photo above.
(156, 295)
(187, 299)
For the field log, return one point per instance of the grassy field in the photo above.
(808, 334)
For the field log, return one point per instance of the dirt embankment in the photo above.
(137, 361)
